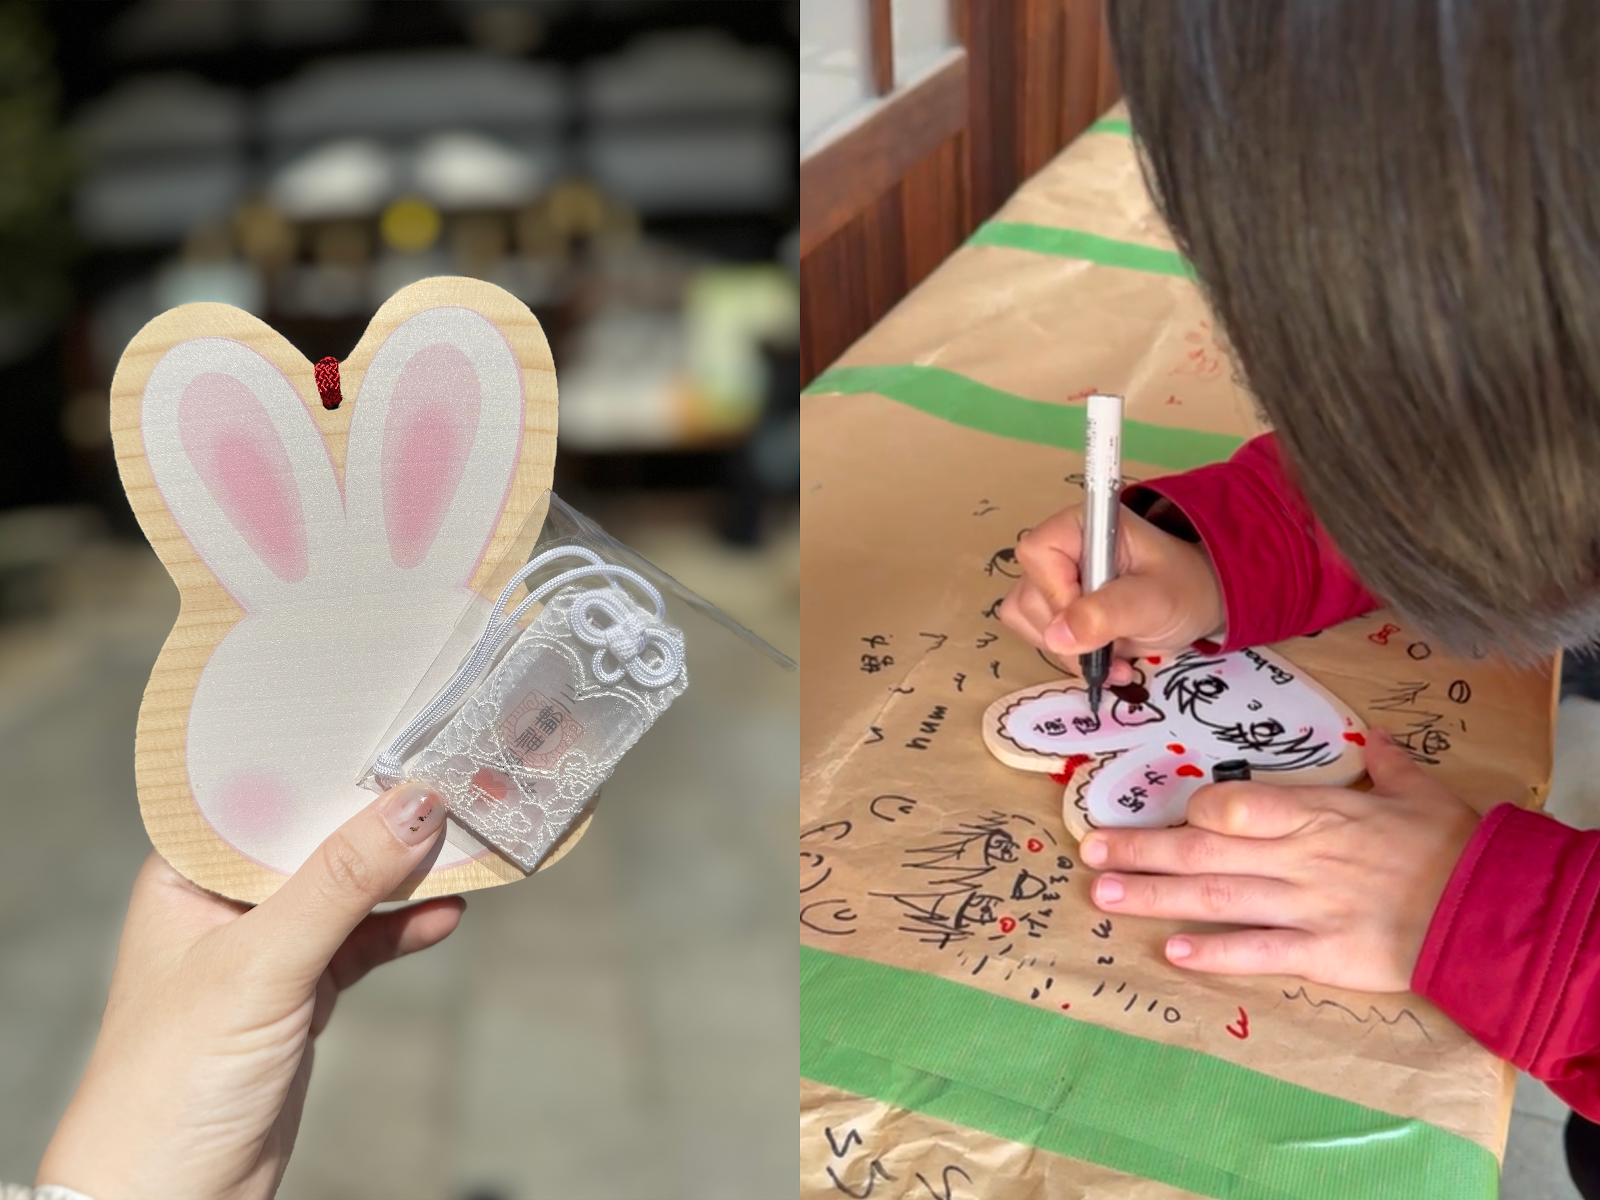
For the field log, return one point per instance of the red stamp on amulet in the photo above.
(538, 731)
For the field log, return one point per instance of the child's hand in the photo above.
(1339, 886)
(197, 1080)
(1164, 598)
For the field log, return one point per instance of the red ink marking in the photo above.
(1064, 1007)
(491, 783)
(1007, 924)
(1154, 659)
(1383, 635)
(327, 376)
(1190, 771)
(1244, 1026)
(1356, 738)
(1064, 776)
(1176, 747)
(1035, 845)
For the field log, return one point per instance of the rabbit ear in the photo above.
(240, 466)
(1138, 791)
(1040, 728)
(434, 442)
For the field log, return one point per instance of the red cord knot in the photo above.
(327, 372)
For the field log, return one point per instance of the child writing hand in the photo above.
(1394, 210)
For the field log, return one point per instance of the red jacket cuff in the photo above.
(1512, 956)
(1279, 574)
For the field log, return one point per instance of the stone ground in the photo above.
(623, 1025)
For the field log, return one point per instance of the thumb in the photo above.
(1130, 606)
(1389, 766)
(300, 926)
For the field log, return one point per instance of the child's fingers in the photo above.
(1252, 810)
(1130, 607)
(1392, 770)
(1049, 553)
(1121, 672)
(1184, 850)
(1225, 899)
(1027, 613)
(1243, 952)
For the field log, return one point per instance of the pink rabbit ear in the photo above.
(434, 444)
(1140, 791)
(433, 420)
(240, 457)
(241, 467)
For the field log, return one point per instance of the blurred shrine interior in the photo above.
(627, 168)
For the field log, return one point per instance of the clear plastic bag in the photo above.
(540, 692)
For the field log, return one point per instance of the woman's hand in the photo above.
(1164, 598)
(197, 1080)
(1337, 886)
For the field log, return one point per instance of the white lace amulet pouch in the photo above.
(531, 743)
(527, 750)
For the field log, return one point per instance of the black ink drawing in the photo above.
(891, 807)
(832, 918)
(1424, 736)
(946, 1189)
(1373, 1013)
(930, 726)
(938, 639)
(1165, 729)
(814, 871)
(994, 878)
(1004, 562)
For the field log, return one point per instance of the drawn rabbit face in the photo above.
(1172, 724)
(349, 585)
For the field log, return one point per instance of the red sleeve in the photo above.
(1513, 951)
(1280, 574)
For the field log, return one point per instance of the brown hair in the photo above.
(1394, 209)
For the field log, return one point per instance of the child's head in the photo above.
(1395, 211)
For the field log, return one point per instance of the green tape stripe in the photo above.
(963, 401)
(1111, 125)
(1158, 1112)
(1073, 243)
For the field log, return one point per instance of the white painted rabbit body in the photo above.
(349, 589)
(1167, 729)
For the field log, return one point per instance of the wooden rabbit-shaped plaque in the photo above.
(323, 557)
(1157, 738)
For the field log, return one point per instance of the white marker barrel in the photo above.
(1102, 482)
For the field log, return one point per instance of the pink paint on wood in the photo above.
(257, 805)
(238, 454)
(433, 419)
